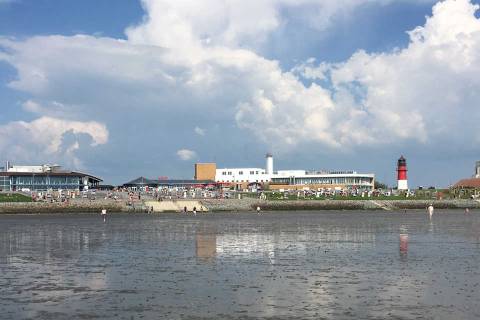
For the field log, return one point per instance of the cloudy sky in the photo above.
(148, 87)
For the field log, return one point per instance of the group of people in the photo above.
(194, 210)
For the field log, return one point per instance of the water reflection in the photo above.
(206, 245)
(403, 245)
(299, 265)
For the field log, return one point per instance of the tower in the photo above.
(269, 163)
(402, 183)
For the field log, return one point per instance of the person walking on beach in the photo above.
(430, 210)
(185, 210)
(104, 215)
(194, 211)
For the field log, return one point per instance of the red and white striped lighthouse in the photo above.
(402, 183)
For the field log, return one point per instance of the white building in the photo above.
(44, 177)
(284, 179)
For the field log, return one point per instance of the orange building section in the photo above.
(205, 171)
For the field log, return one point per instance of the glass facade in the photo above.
(348, 181)
(4, 183)
(46, 182)
(40, 182)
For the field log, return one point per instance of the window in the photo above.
(252, 172)
(256, 172)
(229, 173)
(224, 173)
(240, 172)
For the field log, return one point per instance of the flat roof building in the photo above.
(43, 178)
(294, 179)
(141, 183)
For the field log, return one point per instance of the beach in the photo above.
(276, 265)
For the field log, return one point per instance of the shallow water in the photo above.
(305, 265)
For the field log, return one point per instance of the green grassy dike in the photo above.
(14, 197)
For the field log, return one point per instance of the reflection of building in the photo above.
(44, 177)
(285, 179)
(403, 243)
(240, 245)
(206, 245)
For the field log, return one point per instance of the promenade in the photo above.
(145, 203)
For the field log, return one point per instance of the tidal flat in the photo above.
(273, 265)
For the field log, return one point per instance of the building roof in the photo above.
(142, 181)
(56, 173)
(468, 183)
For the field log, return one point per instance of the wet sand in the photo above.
(277, 265)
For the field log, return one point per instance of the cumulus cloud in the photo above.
(191, 60)
(232, 23)
(44, 139)
(421, 93)
(186, 155)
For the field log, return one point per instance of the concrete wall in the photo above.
(175, 206)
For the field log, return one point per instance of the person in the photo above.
(430, 210)
(258, 210)
(185, 209)
(195, 211)
(104, 214)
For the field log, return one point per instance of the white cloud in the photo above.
(231, 23)
(186, 60)
(43, 139)
(186, 155)
(199, 131)
(427, 92)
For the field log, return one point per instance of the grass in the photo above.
(14, 197)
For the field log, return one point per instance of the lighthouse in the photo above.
(402, 183)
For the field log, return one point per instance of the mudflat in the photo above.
(275, 265)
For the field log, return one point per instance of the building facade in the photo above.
(205, 171)
(43, 178)
(241, 178)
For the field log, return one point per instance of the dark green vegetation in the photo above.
(14, 197)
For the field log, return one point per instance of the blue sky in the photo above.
(148, 88)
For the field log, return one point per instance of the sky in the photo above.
(149, 87)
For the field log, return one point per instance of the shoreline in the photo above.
(239, 205)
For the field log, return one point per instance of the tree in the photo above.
(380, 185)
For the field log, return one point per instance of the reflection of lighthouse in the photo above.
(402, 183)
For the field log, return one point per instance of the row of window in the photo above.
(229, 173)
(343, 180)
(46, 180)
